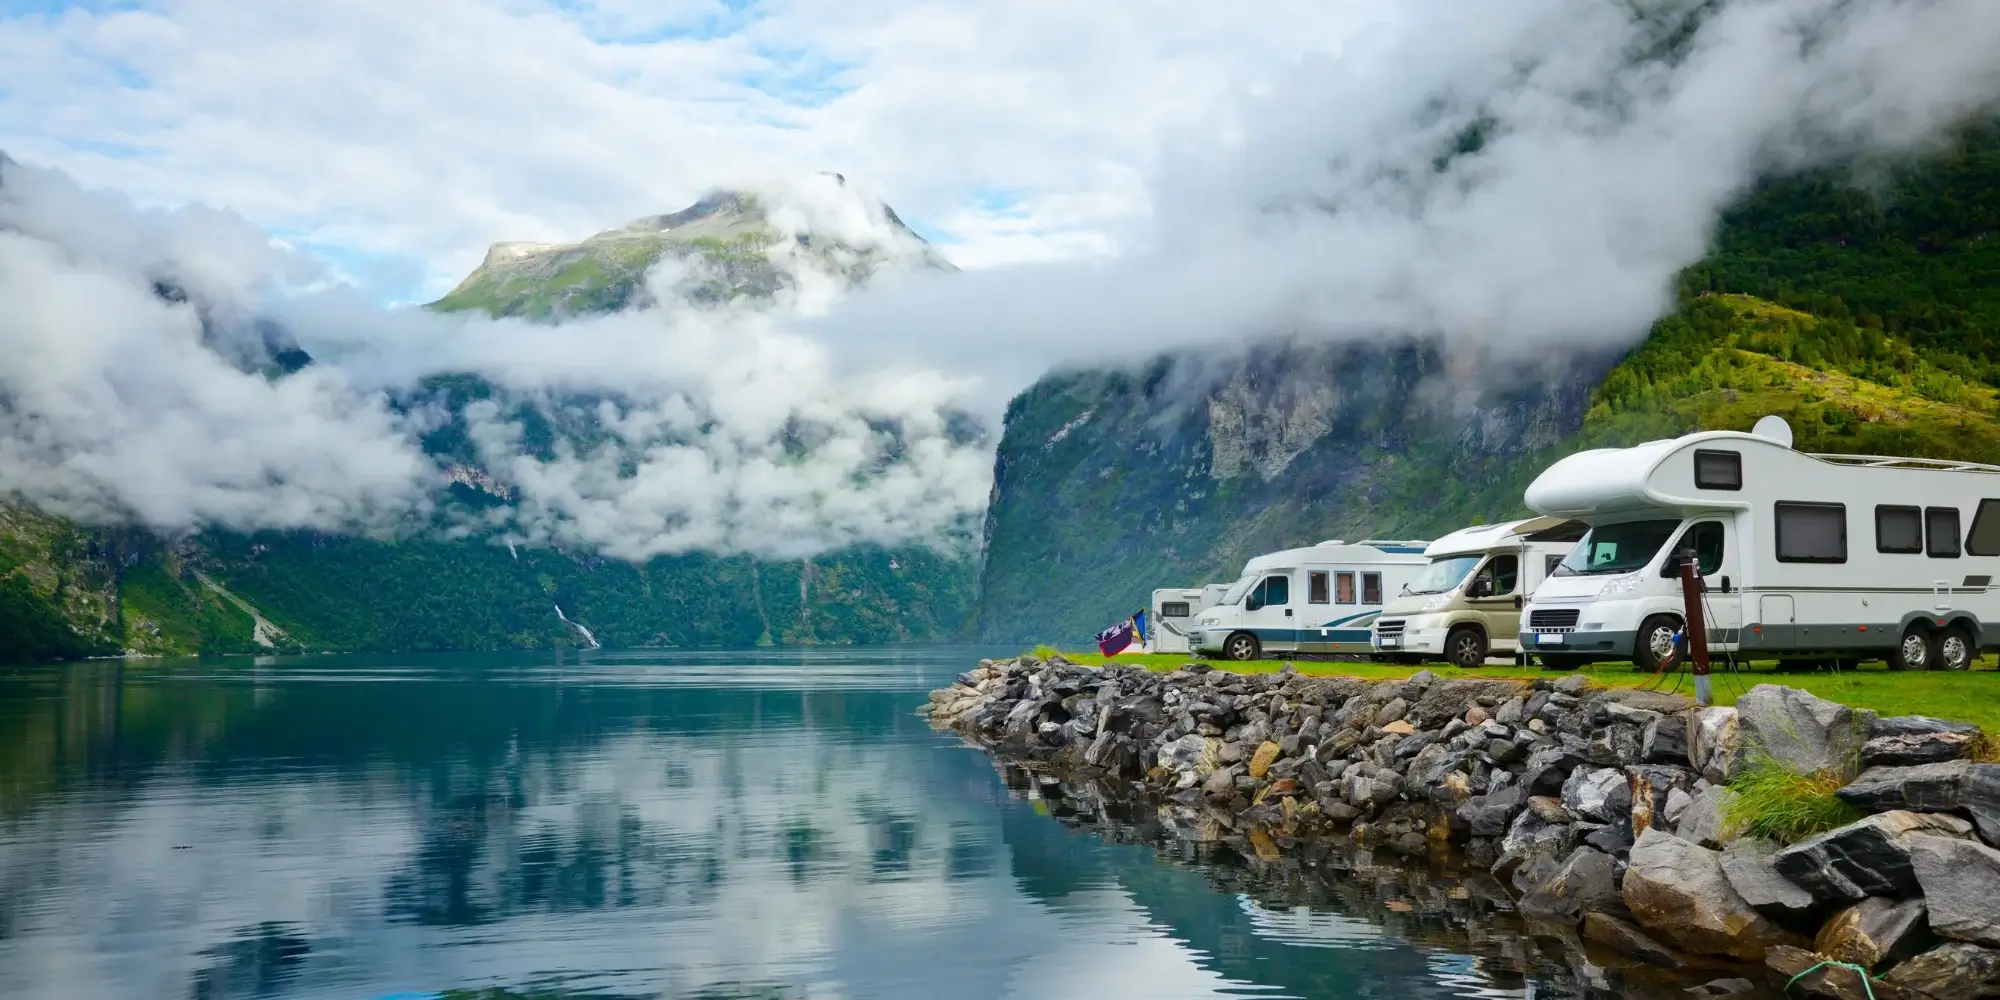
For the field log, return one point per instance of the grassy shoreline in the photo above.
(1970, 696)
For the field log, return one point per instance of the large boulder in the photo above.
(1586, 881)
(1748, 864)
(1958, 786)
(1601, 795)
(1952, 971)
(1961, 884)
(1620, 936)
(1715, 743)
(1869, 857)
(1914, 748)
(1707, 822)
(1799, 731)
(1676, 889)
(1874, 932)
(1665, 740)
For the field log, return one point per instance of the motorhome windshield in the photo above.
(1234, 595)
(1443, 574)
(1617, 548)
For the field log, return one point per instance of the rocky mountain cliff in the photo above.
(1865, 311)
(730, 244)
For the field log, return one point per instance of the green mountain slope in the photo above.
(1868, 316)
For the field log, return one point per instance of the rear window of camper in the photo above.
(1811, 532)
(1371, 585)
(1984, 539)
(1899, 529)
(1173, 609)
(1343, 588)
(1316, 587)
(1718, 470)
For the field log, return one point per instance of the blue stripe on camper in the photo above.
(1349, 618)
(1408, 549)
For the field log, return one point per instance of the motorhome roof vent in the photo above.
(1775, 428)
(1333, 541)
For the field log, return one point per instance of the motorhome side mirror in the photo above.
(1480, 588)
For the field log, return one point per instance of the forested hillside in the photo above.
(1861, 303)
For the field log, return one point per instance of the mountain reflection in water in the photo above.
(718, 825)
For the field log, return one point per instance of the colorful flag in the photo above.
(1115, 639)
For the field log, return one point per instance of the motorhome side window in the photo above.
(1899, 529)
(1371, 584)
(1275, 590)
(1941, 532)
(1811, 532)
(1553, 562)
(1343, 589)
(1316, 587)
(1173, 609)
(1499, 577)
(1718, 470)
(1984, 538)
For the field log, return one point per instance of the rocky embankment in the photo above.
(1610, 815)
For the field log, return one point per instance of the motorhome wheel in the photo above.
(1917, 651)
(1955, 650)
(1242, 646)
(1655, 642)
(1465, 647)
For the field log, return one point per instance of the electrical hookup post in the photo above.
(1697, 628)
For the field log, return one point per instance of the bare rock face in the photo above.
(1961, 885)
(1748, 863)
(1870, 857)
(1585, 882)
(1952, 971)
(1706, 820)
(1914, 748)
(1805, 733)
(1874, 932)
(1600, 795)
(1620, 936)
(1957, 786)
(1715, 743)
(1677, 889)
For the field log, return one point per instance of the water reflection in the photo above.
(774, 824)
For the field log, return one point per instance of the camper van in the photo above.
(1171, 622)
(1466, 604)
(1802, 557)
(1313, 600)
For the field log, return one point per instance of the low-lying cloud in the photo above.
(1522, 177)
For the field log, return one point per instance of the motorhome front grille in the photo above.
(1553, 619)
(1389, 626)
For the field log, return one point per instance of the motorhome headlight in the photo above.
(1437, 602)
(1620, 587)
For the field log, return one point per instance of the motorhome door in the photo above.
(1495, 592)
(1714, 545)
(1268, 610)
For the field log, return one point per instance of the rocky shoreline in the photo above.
(1606, 820)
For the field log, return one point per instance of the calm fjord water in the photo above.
(768, 824)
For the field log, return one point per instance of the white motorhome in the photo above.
(1320, 599)
(1171, 621)
(1802, 556)
(1466, 605)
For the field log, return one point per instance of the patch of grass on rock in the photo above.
(1780, 803)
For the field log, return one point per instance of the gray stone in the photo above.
(1715, 744)
(1391, 712)
(1622, 937)
(1615, 745)
(1602, 794)
(1509, 713)
(1532, 835)
(1491, 814)
(1952, 971)
(1572, 684)
(1961, 885)
(1677, 889)
(1548, 768)
(1549, 809)
(1874, 932)
(1914, 748)
(1612, 838)
(1585, 881)
(1504, 752)
(1805, 733)
(1665, 741)
(1870, 857)
(1651, 786)
(1677, 804)
(1706, 820)
(1722, 988)
(1957, 786)
(1917, 725)
(1747, 863)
